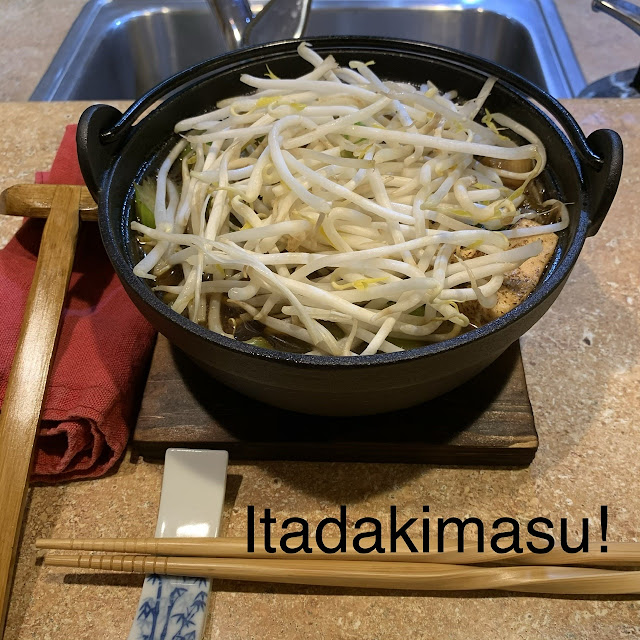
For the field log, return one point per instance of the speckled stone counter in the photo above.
(582, 362)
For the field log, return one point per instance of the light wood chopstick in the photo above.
(618, 553)
(370, 574)
(29, 373)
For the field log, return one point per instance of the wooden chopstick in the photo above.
(29, 372)
(370, 574)
(34, 201)
(618, 553)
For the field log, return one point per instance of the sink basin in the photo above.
(118, 49)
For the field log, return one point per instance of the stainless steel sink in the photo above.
(118, 49)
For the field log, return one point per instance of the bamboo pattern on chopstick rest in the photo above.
(370, 574)
(618, 553)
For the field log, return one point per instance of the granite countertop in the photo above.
(582, 362)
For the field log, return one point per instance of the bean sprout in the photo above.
(342, 210)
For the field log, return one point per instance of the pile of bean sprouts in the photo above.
(335, 208)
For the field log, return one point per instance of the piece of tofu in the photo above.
(519, 283)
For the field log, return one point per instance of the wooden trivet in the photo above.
(486, 422)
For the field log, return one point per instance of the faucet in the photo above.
(623, 84)
(625, 12)
(278, 20)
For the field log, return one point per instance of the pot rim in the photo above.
(545, 288)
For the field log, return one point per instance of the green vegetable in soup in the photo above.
(259, 341)
(145, 200)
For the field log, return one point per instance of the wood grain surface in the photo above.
(488, 421)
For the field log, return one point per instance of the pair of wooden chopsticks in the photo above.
(22, 404)
(228, 558)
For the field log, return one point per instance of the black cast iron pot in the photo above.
(115, 150)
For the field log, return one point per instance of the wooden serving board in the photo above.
(486, 422)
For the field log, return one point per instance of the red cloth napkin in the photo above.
(103, 348)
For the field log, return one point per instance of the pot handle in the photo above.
(103, 130)
(117, 130)
(95, 155)
(602, 182)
